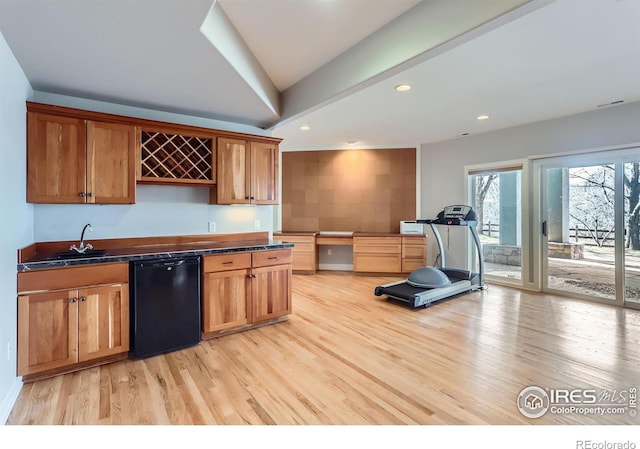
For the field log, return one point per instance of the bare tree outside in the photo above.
(483, 187)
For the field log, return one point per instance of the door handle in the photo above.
(544, 228)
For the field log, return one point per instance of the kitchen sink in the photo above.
(76, 255)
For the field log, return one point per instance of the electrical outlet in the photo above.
(256, 225)
(328, 251)
(212, 226)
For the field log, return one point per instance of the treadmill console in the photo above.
(457, 215)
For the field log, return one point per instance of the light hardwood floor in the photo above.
(346, 356)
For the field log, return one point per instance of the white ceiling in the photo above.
(332, 64)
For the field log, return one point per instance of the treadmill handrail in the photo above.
(476, 241)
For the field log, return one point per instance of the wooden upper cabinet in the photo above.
(264, 173)
(247, 172)
(111, 163)
(71, 160)
(233, 172)
(56, 159)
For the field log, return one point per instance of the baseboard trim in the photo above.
(9, 400)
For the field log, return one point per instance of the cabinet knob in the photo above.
(83, 298)
(73, 299)
(90, 194)
(81, 194)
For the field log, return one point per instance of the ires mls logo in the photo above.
(534, 402)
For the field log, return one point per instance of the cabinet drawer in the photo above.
(224, 262)
(72, 277)
(377, 263)
(414, 252)
(408, 265)
(266, 258)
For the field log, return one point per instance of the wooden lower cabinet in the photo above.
(72, 326)
(270, 292)
(304, 254)
(377, 254)
(225, 291)
(64, 328)
(243, 290)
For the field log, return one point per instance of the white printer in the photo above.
(411, 227)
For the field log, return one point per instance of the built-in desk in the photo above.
(373, 252)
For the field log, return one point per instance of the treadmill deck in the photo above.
(419, 296)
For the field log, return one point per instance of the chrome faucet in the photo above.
(83, 248)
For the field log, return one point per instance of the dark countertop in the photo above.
(40, 261)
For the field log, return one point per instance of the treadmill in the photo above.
(428, 285)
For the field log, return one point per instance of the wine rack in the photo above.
(174, 158)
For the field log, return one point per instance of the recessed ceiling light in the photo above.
(482, 117)
(304, 127)
(403, 87)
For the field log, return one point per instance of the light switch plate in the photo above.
(212, 226)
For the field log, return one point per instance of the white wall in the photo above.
(16, 216)
(159, 210)
(442, 163)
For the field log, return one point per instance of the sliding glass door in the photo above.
(579, 230)
(631, 181)
(590, 226)
(496, 197)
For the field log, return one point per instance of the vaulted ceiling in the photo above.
(333, 64)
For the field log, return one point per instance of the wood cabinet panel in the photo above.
(233, 300)
(272, 257)
(264, 172)
(47, 331)
(75, 321)
(111, 163)
(225, 262)
(233, 164)
(103, 321)
(71, 160)
(225, 299)
(56, 159)
(377, 254)
(377, 263)
(247, 172)
(304, 254)
(270, 292)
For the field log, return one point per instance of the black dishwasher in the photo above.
(165, 305)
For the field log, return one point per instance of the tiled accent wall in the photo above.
(348, 190)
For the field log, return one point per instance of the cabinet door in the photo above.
(264, 173)
(56, 164)
(224, 300)
(103, 321)
(270, 292)
(47, 331)
(233, 181)
(111, 163)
